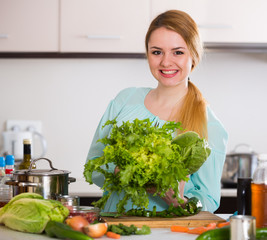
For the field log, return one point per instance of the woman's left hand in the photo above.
(169, 195)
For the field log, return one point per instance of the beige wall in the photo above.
(69, 96)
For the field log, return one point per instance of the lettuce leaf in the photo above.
(29, 212)
(146, 156)
(194, 149)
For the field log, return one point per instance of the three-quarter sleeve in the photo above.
(96, 149)
(205, 184)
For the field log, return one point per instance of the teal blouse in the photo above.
(204, 184)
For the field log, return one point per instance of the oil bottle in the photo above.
(259, 192)
(27, 157)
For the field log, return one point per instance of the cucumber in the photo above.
(63, 231)
(218, 234)
(261, 233)
(224, 234)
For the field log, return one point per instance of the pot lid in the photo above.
(41, 172)
(240, 154)
(247, 151)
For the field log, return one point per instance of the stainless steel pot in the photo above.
(48, 182)
(238, 165)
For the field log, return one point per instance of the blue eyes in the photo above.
(159, 53)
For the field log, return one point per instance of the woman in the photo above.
(173, 50)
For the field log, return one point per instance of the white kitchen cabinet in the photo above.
(29, 25)
(112, 26)
(227, 21)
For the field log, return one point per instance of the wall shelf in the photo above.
(69, 55)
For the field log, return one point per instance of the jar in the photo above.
(69, 201)
(5, 194)
(259, 192)
(90, 213)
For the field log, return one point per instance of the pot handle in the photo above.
(244, 145)
(22, 184)
(35, 160)
(71, 179)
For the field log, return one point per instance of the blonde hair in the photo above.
(193, 114)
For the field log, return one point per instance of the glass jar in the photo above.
(5, 194)
(259, 192)
(69, 201)
(90, 213)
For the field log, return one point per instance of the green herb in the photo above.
(146, 156)
(193, 206)
(143, 231)
(129, 230)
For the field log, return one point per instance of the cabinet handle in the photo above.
(221, 26)
(3, 36)
(116, 37)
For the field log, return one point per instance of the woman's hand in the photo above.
(169, 195)
(116, 170)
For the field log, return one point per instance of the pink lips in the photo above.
(168, 73)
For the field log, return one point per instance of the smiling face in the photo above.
(169, 58)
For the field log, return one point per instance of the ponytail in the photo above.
(193, 114)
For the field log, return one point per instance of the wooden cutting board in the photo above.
(200, 219)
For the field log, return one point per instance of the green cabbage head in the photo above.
(29, 212)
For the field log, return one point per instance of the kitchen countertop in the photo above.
(229, 192)
(156, 234)
(83, 189)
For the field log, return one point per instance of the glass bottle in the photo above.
(10, 161)
(2, 167)
(6, 191)
(26, 162)
(259, 192)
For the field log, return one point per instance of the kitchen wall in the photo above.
(69, 96)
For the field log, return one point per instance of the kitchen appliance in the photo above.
(238, 164)
(13, 143)
(47, 182)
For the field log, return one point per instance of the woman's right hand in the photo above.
(116, 170)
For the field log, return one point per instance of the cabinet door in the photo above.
(29, 25)
(238, 21)
(104, 25)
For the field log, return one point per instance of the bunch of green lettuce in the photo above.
(30, 212)
(146, 156)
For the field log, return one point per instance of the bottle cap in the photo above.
(2, 162)
(10, 160)
(27, 141)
